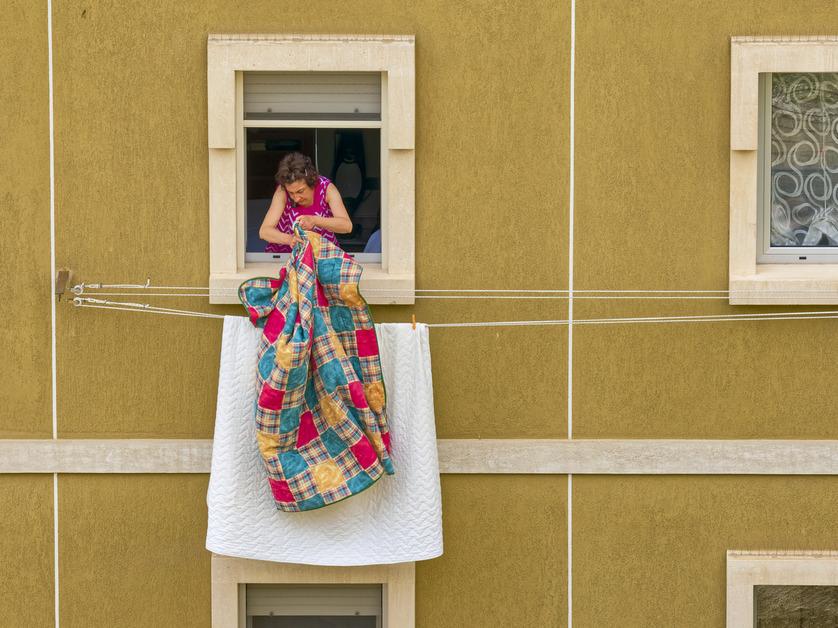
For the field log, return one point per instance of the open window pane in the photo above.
(351, 158)
(804, 160)
(312, 96)
(313, 606)
(791, 606)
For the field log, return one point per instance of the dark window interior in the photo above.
(351, 158)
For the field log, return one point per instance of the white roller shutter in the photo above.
(331, 600)
(312, 95)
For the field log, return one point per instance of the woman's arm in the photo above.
(268, 231)
(340, 221)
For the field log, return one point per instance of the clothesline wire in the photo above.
(710, 318)
(150, 311)
(784, 294)
(80, 289)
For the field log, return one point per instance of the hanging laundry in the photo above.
(321, 418)
(398, 520)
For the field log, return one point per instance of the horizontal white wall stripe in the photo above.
(106, 456)
(663, 456)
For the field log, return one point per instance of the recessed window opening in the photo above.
(798, 606)
(798, 168)
(334, 118)
(314, 606)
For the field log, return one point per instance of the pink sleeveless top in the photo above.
(319, 207)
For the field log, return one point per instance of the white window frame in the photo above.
(751, 281)
(392, 280)
(745, 569)
(230, 575)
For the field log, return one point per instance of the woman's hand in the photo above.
(292, 239)
(308, 223)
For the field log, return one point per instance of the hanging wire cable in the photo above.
(476, 293)
(709, 318)
(138, 307)
(81, 288)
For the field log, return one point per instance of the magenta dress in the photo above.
(319, 207)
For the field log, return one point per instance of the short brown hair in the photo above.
(296, 166)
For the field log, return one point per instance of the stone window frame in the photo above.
(230, 575)
(391, 281)
(745, 569)
(750, 282)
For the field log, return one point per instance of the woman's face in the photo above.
(300, 192)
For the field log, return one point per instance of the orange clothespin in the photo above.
(413, 321)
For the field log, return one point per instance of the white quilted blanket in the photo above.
(399, 519)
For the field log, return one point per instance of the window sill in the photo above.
(378, 286)
(786, 284)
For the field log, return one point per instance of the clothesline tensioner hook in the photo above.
(78, 289)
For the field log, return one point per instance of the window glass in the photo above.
(313, 606)
(350, 158)
(314, 622)
(804, 160)
(791, 606)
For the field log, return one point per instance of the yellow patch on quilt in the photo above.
(338, 348)
(327, 475)
(284, 352)
(291, 279)
(314, 240)
(375, 396)
(349, 294)
(268, 444)
(331, 410)
(377, 442)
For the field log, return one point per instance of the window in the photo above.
(346, 101)
(798, 167)
(775, 589)
(333, 117)
(805, 606)
(259, 594)
(784, 171)
(313, 606)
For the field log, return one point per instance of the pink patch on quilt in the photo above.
(367, 344)
(307, 431)
(276, 321)
(322, 301)
(356, 391)
(364, 453)
(386, 438)
(308, 257)
(254, 315)
(281, 490)
(271, 398)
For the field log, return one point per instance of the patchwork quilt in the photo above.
(321, 411)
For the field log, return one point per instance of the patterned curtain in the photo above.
(804, 159)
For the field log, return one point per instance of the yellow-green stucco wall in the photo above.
(650, 211)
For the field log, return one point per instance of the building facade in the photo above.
(565, 146)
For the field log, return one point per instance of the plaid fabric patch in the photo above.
(321, 389)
